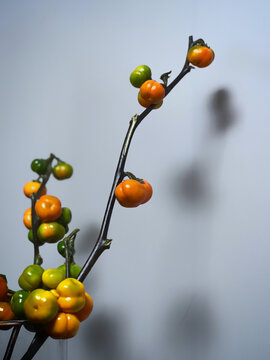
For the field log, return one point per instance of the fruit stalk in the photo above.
(37, 258)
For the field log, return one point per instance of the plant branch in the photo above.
(69, 249)
(37, 342)
(101, 243)
(12, 341)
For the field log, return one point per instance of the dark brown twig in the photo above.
(12, 342)
(103, 242)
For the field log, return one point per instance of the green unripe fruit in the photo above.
(17, 303)
(74, 270)
(52, 277)
(39, 166)
(31, 238)
(31, 277)
(62, 171)
(141, 74)
(61, 247)
(66, 216)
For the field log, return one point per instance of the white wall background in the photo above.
(187, 275)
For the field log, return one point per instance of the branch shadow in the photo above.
(105, 336)
(192, 328)
(87, 238)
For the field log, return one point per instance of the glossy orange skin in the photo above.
(70, 295)
(87, 309)
(200, 56)
(32, 187)
(63, 326)
(48, 208)
(152, 91)
(148, 191)
(146, 103)
(27, 218)
(6, 312)
(3, 289)
(131, 193)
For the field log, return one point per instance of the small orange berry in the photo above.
(27, 218)
(33, 187)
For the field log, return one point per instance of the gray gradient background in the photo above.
(187, 275)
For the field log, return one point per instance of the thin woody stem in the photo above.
(69, 248)
(102, 242)
(12, 342)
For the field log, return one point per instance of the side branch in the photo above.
(102, 242)
(99, 246)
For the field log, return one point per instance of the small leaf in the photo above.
(200, 42)
(107, 243)
(164, 77)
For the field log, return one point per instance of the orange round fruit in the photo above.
(33, 187)
(48, 208)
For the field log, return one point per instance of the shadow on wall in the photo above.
(85, 243)
(87, 239)
(222, 111)
(105, 336)
(191, 329)
(194, 186)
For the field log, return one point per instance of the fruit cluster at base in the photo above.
(48, 300)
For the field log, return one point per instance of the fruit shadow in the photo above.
(104, 336)
(191, 328)
(194, 186)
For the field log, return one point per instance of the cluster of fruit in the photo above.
(152, 92)
(48, 300)
(54, 299)
(53, 219)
